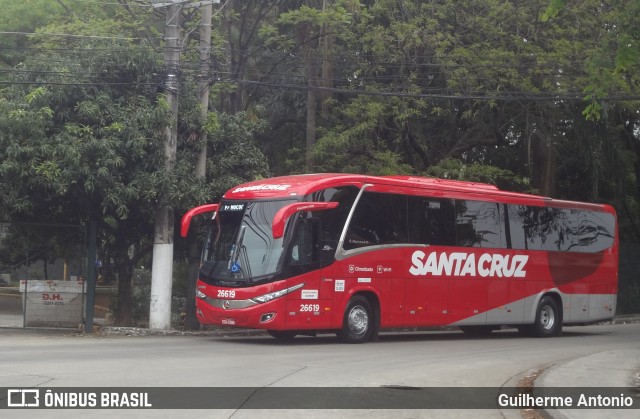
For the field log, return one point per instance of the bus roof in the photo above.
(301, 185)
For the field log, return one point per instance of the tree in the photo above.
(17, 20)
(472, 89)
(80, 137)
(87, 149)
(300, 41)
(614, 65)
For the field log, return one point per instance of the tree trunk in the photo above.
(547, 166)
(191, 320)
(311, 105)
(327, 68)
(311, 125)
(124, 271)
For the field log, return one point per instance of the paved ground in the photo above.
(583, 358)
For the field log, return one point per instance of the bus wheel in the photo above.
(548, 321)
(358, 324)
(282, 335)
(477, 331)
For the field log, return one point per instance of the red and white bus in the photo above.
(355, 254)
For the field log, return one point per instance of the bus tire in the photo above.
(548, 322)
(283, 335)
(358, 324)
(477, 331)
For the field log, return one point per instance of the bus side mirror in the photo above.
(186, 218)
(283, 214)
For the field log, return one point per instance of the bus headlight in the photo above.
(277, 294)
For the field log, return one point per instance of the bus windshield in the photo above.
(240, 248)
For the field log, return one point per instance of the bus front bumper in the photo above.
(241, 313)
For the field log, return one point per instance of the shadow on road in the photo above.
(401, 336)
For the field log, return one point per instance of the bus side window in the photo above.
(544, 228)
(478, 224)
(516, 220)
(564, 234)
(378, 219)
(331, 222)
(304, 249)
(432, 221)
(596, 231)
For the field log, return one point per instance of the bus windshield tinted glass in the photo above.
(240, 246)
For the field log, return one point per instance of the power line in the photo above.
(479, 96)
(428, 60)
(103, 83)
(104, 3)
(398, 81)
(69, 35)
(450, 95)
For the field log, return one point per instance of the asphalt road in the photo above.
(407, 360)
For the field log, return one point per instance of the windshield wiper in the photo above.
(244, 261)
(233, 265)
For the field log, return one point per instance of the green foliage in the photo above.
(614, 62)
(212, 125)
(530, 96)
(81, 135)
(593, 111)
(21, 17)
(553, 9)
(235, 157)
(502, 178)
(349, 148)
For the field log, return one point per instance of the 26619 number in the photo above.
(226, 294)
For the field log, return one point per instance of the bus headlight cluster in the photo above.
(277, 294)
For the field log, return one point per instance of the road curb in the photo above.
(139, 331)
(627, 318)
(231, 331)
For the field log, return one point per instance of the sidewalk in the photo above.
(609, 369)
(617, 369)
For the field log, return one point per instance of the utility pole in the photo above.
(162, 266)
(206, 12)
(203, 83)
